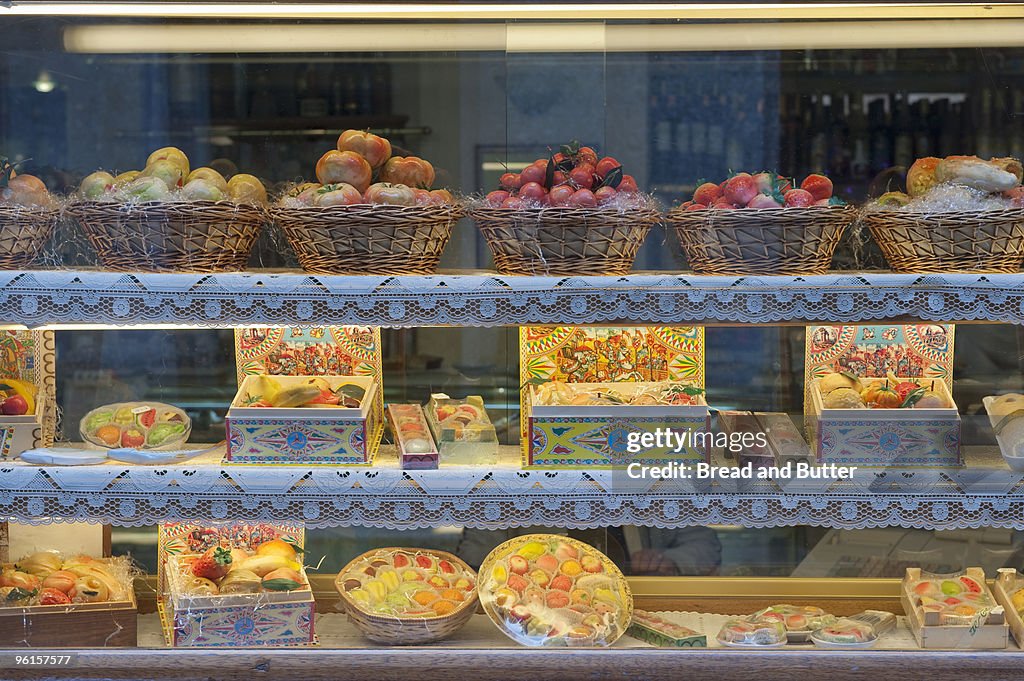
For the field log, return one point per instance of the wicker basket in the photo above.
(789, 241)
(23, 233)
(198, 236)
(976, 241)
(564, 241)
(390, 630)
(368, 239)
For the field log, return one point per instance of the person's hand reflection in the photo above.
(652, 562)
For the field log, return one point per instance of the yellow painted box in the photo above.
(305, 435)
(588, 436)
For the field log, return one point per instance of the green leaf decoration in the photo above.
(280, 584)
(613, 179)
(912, 398)
(19, 594)
(356, 392)
(549, 172)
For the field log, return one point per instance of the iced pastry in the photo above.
(958, 599)
(753, 631)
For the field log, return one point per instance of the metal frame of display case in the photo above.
(319, 497)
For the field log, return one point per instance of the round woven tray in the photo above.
(789, 241)
(368, 239)
(564, 241)
(965, 241)
(23, 233)
(198, 236)
(409, 630)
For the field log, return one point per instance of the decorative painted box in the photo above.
(615, 434)
(21, 433)
(279, 618)
(304, 435)
(902, 438)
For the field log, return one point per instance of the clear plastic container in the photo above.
(136, 425)
(845, 633)
(463, 431)
(799, 620)
(549, 590)
(753, 632)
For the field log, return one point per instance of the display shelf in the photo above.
(83, 297)
(984, 494)
(480, 652)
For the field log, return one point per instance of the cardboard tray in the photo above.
(990, 634)
(1005, 585)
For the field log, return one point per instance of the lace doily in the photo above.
(41, 297)
(499, 497)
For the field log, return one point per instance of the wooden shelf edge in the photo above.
(446, 664)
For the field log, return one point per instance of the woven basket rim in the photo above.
(437, 553)
(562, 210)
(35, 211)
(359, 209)
(998, 213)
(749, 213)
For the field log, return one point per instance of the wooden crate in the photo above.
(1003, 588)
(991, 634)
(79, 625)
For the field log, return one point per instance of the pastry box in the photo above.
(263, 618)
(1008, 589)
(650, 628)
(575, 425)
(954, 611)
(268, 422)
(463, 430)
(900, 437)
(101, 621)
(416, 448)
